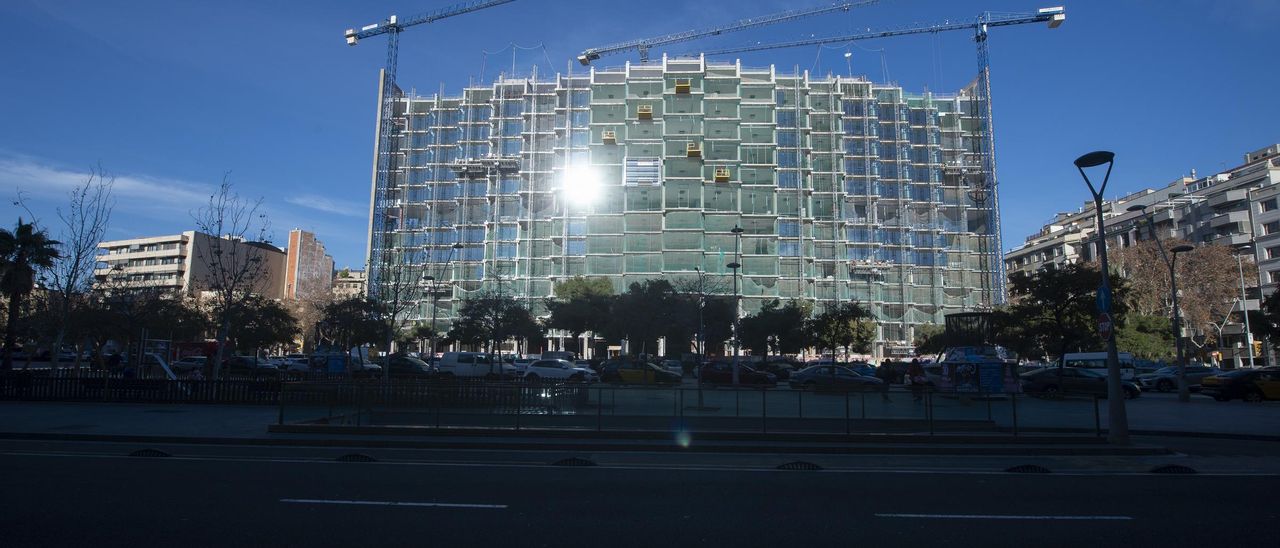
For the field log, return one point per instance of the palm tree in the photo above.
(22, 253)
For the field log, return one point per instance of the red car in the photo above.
(722, 373)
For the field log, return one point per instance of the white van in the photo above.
(1098, 360)
(473, 364)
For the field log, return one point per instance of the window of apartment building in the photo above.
(1274, 276)
(1273, 252)
(1269, 205)
(1271, 227)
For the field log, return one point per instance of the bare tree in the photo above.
(84, 225)
(308, 308)
(401, 286)
(234, 259)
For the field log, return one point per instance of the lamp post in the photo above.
(1184, 391)
(737, 303)
(1117, 418)
(1244, 311)
(435, 294)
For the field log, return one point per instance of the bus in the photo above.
(1098, 360)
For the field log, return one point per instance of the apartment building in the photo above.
(348, 283)
(178, 262)
(308, 268)
(1237, 207)
(842, 189)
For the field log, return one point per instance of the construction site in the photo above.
(751, 181)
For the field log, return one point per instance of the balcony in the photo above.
(1228, 197)
(1234, 217)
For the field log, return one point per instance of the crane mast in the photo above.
(379, 222)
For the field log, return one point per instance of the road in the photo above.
(236, 497)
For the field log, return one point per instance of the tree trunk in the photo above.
(11, 330)
(223, 330)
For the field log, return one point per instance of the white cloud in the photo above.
(327, 205)
(148, 205)
(37, 180)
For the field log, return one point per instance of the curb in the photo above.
(1161, 433)
(1095, 449)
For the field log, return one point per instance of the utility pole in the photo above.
(1244, 310)
(737, 300)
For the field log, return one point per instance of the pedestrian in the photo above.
(916, 373)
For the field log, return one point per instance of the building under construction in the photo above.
(845, 190)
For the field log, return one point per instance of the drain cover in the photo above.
(1027, 469)
(356, 457)
(149, 453)
(1173, 469)
(574, 461)
(799, 465)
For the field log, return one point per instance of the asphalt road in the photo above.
(54, 498)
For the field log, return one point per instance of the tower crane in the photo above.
(1052, 16)
(392, 27)
(644, 44)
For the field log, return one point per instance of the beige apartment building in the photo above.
(178, 262)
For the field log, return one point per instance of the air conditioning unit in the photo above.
(692, 150)
(683, 85)
(645, 112)
(722, 175)
(609, 137)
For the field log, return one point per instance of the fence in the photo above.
(475, 403)
(518, 406)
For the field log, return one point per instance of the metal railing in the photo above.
(600, 407)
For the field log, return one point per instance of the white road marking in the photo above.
(988, 516)
(395, 503)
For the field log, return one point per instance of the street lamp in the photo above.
(737, 303)
(1244, 310)
(1117, 419)
(1184, 391)
(435, 294)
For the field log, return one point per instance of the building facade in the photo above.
(178, 262)
(1237, 207)
(308, 269)
(844, 190)
(348, 283)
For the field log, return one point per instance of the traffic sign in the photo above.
(1104, 298)
(1104, 326)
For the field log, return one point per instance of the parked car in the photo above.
(474, 364)
(721, 372)
(1165, 379)
(673, 366)
(563, 370)
(1247, 384)
(633, 371)
(403, 365)
(862, 368)
(250, 364)
(780, 368)
(521, 364)
(558, 355)
(833, 377)
(188, 364)
(1072, 380)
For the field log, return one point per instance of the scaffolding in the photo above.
(847, 190)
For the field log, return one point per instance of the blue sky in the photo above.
(170, 96)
